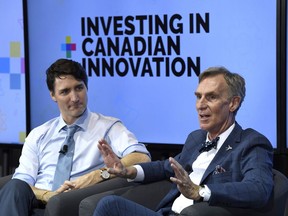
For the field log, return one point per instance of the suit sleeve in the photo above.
(160, 170)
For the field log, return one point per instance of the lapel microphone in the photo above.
(207, 146)
(64, 149)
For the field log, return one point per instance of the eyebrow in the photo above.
(80, 85)
(207, 93)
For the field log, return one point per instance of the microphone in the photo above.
(64, 149)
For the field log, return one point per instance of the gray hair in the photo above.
(235, 82)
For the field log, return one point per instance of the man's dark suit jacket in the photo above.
(246, 156)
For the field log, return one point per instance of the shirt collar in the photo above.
(223, 136)
(82, 121)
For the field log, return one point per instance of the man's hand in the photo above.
(114, 164)
(109, 157)
(66, 186)
(47, 195)
(183, 181)
(43, 195)
(124, 172)
(83, 181)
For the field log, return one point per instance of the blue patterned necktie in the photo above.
(207, 146)
(65, 159)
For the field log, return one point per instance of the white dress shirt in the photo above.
(41, 148)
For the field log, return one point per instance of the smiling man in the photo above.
(52, 146)
(228, 170)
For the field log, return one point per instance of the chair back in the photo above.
(280, 194)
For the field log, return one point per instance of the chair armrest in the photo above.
(68, 203)
(151, 193)
(88, 205)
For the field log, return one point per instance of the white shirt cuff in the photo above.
(140, 174)
(205, 192)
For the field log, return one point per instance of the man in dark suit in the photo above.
(232, 170)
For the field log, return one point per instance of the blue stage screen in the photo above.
(12, 73)
(143, 58)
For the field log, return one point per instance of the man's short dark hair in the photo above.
(64, 67)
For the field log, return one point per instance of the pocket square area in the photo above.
(219, 169)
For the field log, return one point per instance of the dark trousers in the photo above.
(117, 206)
(114, 205)
(18, 199)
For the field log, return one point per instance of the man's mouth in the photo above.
(203, 116)
(75, 106)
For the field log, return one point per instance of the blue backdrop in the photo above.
(167, 42)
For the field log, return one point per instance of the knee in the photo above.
(107, 201)
(104, 206)
(18, 195)
(16, 187)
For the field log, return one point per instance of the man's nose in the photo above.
(201, 103)
(74, 96)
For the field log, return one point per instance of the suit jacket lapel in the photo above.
(192, 151)
(231, 140)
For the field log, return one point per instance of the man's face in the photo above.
(71, 97)
(214, 106)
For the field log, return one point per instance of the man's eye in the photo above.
(64, 92)
(211, 97)
(79, 88)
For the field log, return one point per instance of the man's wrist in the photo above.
(201, 191)
(205, 192)
(104, 174)
(42, 198)
(131, 172)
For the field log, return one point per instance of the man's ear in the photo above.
(234, 103)
(52, 96)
